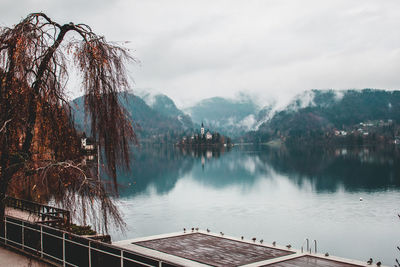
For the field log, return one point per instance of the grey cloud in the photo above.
(272, 49)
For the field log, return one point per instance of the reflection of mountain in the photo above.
(356, 169)
(328, 170)
(234, 168)
(160, 167)
(156, 167)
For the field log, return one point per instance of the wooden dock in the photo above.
(212, 250)
(199, 248)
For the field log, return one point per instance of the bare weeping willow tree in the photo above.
(39, 145)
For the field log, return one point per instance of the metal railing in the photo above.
(51, 216)
(309, 247)
(66, 249)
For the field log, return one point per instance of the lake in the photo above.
(276, 194)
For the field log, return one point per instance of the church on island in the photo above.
(208, 135)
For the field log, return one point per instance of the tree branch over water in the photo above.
(37, 125)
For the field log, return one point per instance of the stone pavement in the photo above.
(10, 258)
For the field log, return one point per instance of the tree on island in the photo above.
(38, 138)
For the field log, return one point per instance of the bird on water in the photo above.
(254, 239)
(222, 234)
(261, 241)
(242, 237)
(289, 246)
(378, 263)
(184, 230)
(208, 230)
(274, 243)
(370, 261)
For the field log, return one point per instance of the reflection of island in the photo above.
(204, 152)
(160, 167)
(327, 170)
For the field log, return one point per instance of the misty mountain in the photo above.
(263, 116)
(314, 111)
(166, 106)
(162, 120)
(321, 110)
(230, 117)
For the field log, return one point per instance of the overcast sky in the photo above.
(270, 49)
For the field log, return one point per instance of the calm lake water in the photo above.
(276, 194)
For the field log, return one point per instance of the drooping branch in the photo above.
(37, 126)
(104, 74)
(43, 67)
(102, 65)
(4, 125)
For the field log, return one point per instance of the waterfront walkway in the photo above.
(14, 259)
(24, 215)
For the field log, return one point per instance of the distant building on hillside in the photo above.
(87, 143)
(397, 140)
(208, 135)
(88, 149)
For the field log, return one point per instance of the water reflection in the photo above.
(283, 194)
(158, 167)
(353, 169)
(327, 170)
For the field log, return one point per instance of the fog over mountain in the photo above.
(161, 121)
(367, 115)
(157, 117)
(166, 106)
(232, 117)
(194, 50)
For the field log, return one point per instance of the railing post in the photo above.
(5, 230)
(41, 241)
(23, 236)
(122, 258)
(315, 246)
(63, 249)
(90, 256)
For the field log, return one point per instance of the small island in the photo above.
(205, 138)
